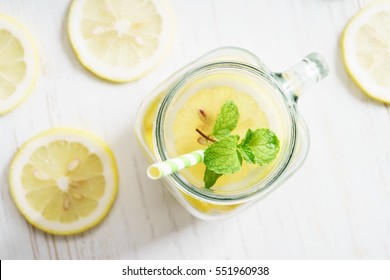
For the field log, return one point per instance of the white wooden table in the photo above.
(336, 207)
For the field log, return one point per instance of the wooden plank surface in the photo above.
(336, 207)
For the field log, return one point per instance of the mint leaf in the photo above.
(226, 121)
(223, 157)
(262, 143)
(210, 177)
(247, 154)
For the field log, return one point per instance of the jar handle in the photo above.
(303, 75)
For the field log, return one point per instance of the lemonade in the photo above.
(197, 109)
(181, 114)
(202, 101)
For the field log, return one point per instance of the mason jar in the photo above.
(162, 135)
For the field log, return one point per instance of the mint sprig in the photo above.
(225, 156)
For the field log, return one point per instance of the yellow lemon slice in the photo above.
(120, 40)
(200, 111)
(64, 181)
(18, 64)
(366, 50)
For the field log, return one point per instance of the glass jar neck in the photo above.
(303, 75)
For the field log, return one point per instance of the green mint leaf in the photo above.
(210, 177)
(226, 121)
(263, 144)
(247, 153)
(223, 157)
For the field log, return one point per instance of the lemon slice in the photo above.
(200, 111)
(120, 40)
(18, 64)
(64, 181)
(366, 50)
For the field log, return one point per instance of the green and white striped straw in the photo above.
(161, 169)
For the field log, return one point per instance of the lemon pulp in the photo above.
(373, 48)
(18, 64)
(12, 65)
(64, 181)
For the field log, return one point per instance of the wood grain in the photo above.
(336, 207)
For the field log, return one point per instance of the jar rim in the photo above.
(258, 188)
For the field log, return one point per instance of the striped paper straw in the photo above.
(158, 170)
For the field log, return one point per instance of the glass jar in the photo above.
(277, 95)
